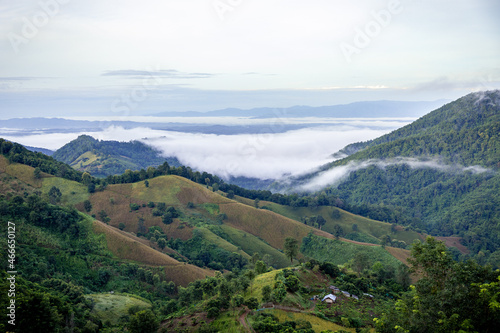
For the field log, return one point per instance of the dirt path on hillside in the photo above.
(243, 321)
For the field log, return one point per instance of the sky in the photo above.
(133, 58)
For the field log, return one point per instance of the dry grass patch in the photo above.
(271, 227)
(126, 247)
(400, 254)
(22, 172)
(454, 242)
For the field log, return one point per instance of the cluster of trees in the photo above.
(450, 297)
(266, 322)
(203, 253)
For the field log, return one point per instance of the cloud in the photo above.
(336, 175)
(263, 156)
(23, 78)
(267, 155)
(166, 73)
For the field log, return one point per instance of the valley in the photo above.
(115, 236)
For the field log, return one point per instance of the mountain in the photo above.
(439, 174)
(105, 158)
(45, 151)
(353, 110)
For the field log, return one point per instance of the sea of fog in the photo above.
(260, 155)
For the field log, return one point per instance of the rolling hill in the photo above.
(105, 158)
(205, 219)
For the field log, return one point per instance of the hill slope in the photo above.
(171, 214)
(438, 174)
(104, 158)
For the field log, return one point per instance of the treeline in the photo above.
(16, 153)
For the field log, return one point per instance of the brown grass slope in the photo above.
(125, 246)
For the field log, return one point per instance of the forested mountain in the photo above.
(466, 131)
(105, 158)
(439, 174)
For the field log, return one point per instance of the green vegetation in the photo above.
(450, 297)
(339, 252)
(252, 244)
(441, 202)
(113, 307)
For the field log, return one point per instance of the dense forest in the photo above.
(449, 187)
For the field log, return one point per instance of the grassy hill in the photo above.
(127, 247)
(355, 227)
(244, 230)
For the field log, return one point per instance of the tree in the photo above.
(360, 262)
(104, 216)
(121, 226)
(266, 293)
(256, 202)
(320, 220)
(146, 183)
(385, 240)
(54, 195)
(143, 322)
(448, 297)
(291, 248)
(252, 303)
(162, 243)
(87, 206)
(86, 178)
(260, 267)
(338, 231)
(37, 173)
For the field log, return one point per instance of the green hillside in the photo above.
(437, 175)
(466, 131)
(105, 158)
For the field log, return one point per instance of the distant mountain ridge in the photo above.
(367, 109)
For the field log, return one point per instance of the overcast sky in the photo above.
(129, 58)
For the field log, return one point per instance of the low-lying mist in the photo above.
(263, 156)
(336, 175)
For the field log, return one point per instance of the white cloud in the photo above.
(261, 156)
(264, 156)
(336, 175)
